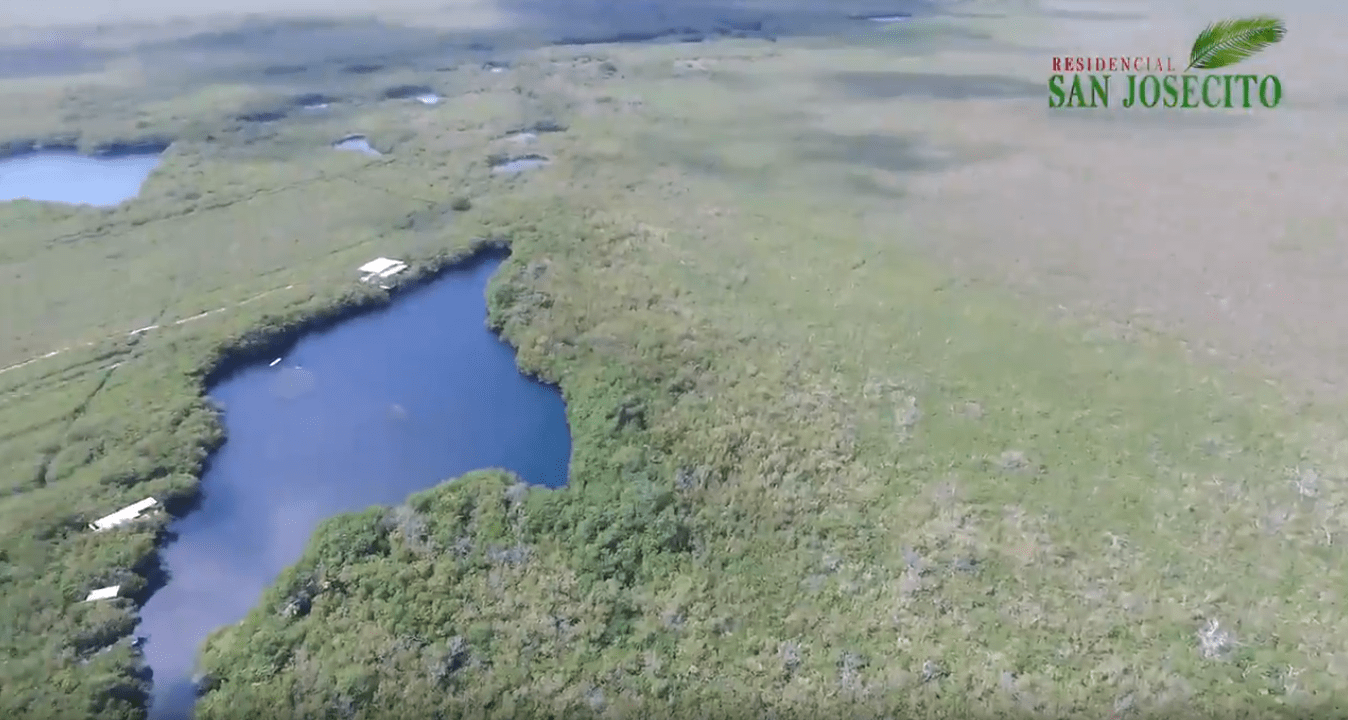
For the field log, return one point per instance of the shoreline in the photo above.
(252, 349)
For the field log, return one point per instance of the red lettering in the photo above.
(1098, 64)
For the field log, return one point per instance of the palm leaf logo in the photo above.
(1227, 42)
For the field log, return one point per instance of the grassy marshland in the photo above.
(813, 471)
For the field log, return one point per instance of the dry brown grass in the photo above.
(1225, 227)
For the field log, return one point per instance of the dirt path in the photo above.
(1229, 229)
(147, 328)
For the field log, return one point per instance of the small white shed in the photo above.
(125, 515)
(380, 268)
(104, 593)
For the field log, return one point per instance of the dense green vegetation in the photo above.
(214, 254)
(812, 472)
(897, 522)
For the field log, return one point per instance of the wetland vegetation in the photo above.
(817, 466)
(363, 414)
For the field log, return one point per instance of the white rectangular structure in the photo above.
(104, 593)
(125, 515)
(381, 268)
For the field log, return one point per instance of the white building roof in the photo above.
(104, 593)
(381, 265)
(130, 512)
(139, 507)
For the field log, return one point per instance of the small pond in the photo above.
(421, 93)
(365, 414)
(313, 102)
(516, 165)
(356, 143)
(886, 19)
(66, 176)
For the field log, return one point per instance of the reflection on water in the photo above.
(356, 143)
(377, 408)
(519, 164)
(66, 176)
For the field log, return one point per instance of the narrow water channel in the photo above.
(367, 413)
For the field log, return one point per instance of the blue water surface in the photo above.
(377, 408)
(66, 176)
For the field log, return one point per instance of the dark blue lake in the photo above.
(365, 414)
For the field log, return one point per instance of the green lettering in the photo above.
(1076, 97)
(1100, 90)
(1171, 91)
(1150, 87)
(1190, 91)
(1245, 82)
(1076, 94)
(1131, 98)
(1056, 97)
(1264, 92)
(1228, 79)
(1206, 82)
